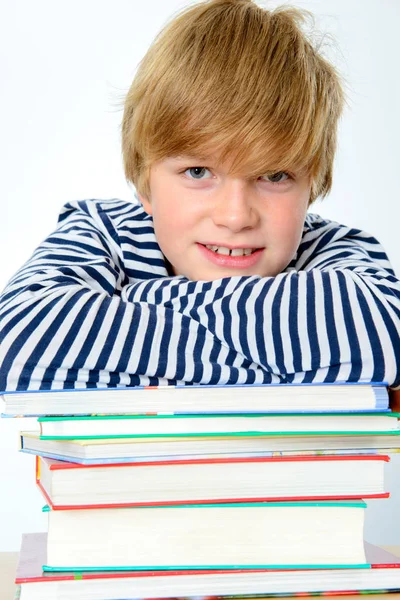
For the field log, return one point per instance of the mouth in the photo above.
(234, 258)
(225, 251)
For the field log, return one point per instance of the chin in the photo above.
(224, 274)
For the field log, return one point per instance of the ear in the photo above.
(146, 204)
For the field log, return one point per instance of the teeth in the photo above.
(228, 252)
(241, 251)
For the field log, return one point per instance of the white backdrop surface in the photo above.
(65, 67)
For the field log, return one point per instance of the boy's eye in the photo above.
(197, 172)
(278, 177)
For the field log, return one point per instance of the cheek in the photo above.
(177, 212)
(171, 226)
(287, 222)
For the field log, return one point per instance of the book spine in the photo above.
(381, 397)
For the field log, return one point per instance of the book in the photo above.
(95, 451)
(262, 398)
(208, 536)
(66, 485)
(110, 426)
(37, 584)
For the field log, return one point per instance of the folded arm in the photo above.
(75, 315)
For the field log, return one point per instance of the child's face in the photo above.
(198, 208)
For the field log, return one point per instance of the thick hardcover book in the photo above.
(67, 485)
(103, 450)
(316, 397)
(208, 536)
(383, 574)
(146, 426)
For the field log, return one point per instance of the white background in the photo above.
(64, 69)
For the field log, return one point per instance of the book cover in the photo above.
(274, 535)
(33, 556)
(198, 399)
(205, 425)
(117, 450)
(384, 571)
(218, 480)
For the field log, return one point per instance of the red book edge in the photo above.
(59, 465)
(205, 501)
(33, 556)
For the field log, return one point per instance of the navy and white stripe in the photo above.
(96, 307)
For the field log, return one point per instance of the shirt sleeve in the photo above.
(334, 316)
(71, 317)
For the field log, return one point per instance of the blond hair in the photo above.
(232, 78)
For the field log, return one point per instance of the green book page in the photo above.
(266, 505)
(49, 568)
(219, 415)
(222, 435)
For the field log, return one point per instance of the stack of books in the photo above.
(154, 499)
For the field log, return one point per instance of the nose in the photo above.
(235, 207)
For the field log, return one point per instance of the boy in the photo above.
(218, 275)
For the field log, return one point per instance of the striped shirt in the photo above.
(95, 306)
